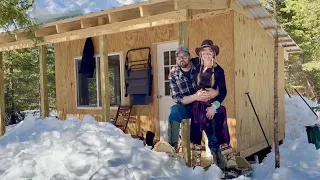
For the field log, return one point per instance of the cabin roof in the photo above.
(140, 15)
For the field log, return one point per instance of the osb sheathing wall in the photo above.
(145, 118)
(254, 67)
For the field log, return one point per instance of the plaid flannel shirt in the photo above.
(180, 85)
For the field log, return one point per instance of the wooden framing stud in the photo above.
(43, 82)
(183, 31)
(2, 108)
(263, 18)
(252, 7)
(104, 75)
(185, 138)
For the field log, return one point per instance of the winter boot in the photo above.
(196, 155)
(218, 159)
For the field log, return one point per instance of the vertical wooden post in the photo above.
(185, 137)
(2, 109)
(43, 82)
(104, 75)
(185, 126)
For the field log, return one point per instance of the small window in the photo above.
(89, 88)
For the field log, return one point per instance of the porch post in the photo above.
(104, 75)
(43, 82)
(2, 113)
(185, 125)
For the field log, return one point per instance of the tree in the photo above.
(301, 19)
(22, 88)
(14, 16)
(276, 98)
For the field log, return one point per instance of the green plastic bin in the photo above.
(313, 133)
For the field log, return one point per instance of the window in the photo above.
(89, 89)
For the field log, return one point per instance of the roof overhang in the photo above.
(141, 15)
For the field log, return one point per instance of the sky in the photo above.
(45, 11)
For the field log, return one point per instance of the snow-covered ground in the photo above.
(299, 160)
(86, 149)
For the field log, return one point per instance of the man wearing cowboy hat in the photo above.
(182, 85)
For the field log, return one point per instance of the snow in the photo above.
(298, 159)
(86, 149)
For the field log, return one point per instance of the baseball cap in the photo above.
(183, 49)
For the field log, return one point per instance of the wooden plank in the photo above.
(210, 14)
(124, 15)
(2, 108)
(252, 7)
(66, 27)
(263, 18)
(141, 23)
(201, 4)
(45, 31)
(106, 12)
(185, 138)
(43, 82)
(104, 75)
(159, 8)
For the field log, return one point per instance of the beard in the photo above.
(183, 64)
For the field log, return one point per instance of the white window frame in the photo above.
(79, 58)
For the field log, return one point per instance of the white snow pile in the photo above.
(76, 149)
(299, 160)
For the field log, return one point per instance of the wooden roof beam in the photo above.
(124, 15)
(271, 28)
(49, 30)
(116, 27)
(285, 40)
(293, 50)
(158, 8)
(252, 7)
(6, 38)
(289, 45)
(263, 18)
(201, 4)
(20, 36)
(70, 26)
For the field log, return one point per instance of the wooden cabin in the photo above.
(243, 31)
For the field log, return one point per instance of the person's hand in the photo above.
(210, 112)
(172, 71)
(202, 96)
(212, 92)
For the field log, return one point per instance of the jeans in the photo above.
(177, 113)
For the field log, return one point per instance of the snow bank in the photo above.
(85, 149)
(298, 159)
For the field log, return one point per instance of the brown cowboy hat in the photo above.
(208, 43)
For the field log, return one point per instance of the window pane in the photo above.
(167, 89)
(166, 72)
(173, 58)
(166, 58)
(114, 80)
(86, 88)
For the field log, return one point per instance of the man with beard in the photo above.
(182, 86)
